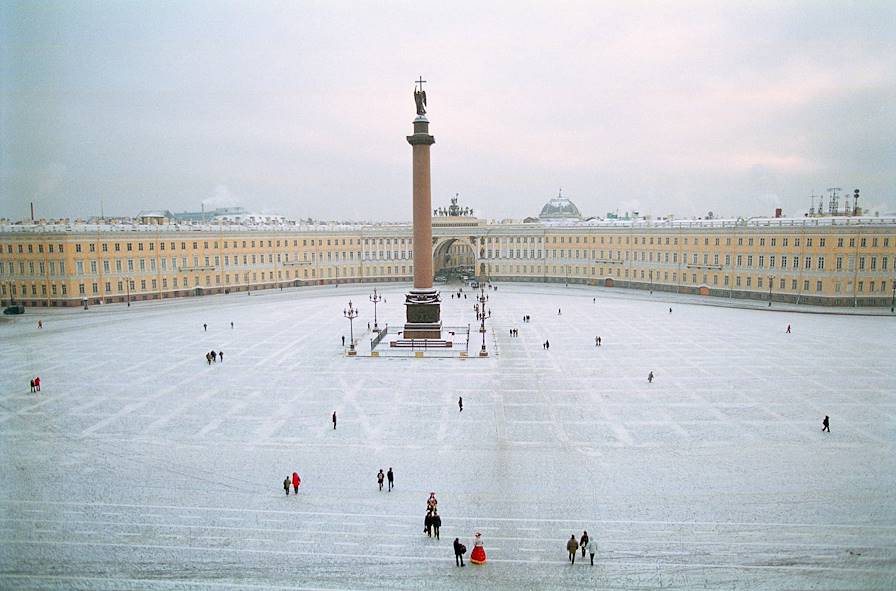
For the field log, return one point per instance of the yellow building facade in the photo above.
(838, 261)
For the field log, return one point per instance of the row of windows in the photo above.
(810, 242)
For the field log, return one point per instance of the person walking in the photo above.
(379, 479)
(460, 403)
(208, 358)
(670, 310)
(37, 383)
(231, 325)
(391, 478)
(296, 481)
(286, 485)
(436, 523)
(32, 385)
(221, 356)
(477, 556)
(591, 547)
(459, 551)
(205, 327)
(40, 324)
(825, 424)
(650, 378)
(343, 340)
(547, 345)
(583, 541)
(572, 547)
(214, 356)
(788, 329)
(334, 420)
(598, 341)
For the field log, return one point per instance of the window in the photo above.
(818, 286)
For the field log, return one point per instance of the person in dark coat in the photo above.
(436, 523)
(459, 550)
(221, 356)
(208, 358)
(427, 524)
(205, 327)
(379, 479)
(286, 485)
(214, 356)
(334, 420)
(32, 386)
(583, 542)
(650, 377)
(460, 403)
(391, 478)
(825, 424)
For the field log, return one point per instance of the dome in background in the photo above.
(561, 208)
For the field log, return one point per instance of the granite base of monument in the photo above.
(423, 311)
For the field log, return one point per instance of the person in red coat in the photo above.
(296, 481)
(477, 556)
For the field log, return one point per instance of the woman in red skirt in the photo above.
(477, 556)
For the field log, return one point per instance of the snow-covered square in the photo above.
(141, 466)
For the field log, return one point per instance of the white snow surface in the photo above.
(140, 466)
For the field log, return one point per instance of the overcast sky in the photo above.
(302, 108)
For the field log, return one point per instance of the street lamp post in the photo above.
(893, 301)
(482, 314)
(351, 314)
(375, 298)
(127, 283)
(771, 279)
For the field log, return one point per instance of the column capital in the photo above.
(421, 139)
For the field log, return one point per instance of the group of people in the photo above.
(514, 332)
(387, 476)
(213, 356)
(35, 384)
(546, 345)
(432, 522)
(296, 481)
(526, 318)
(585, 543)
(477, 556)
(597, 341)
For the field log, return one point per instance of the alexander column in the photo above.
(423, 308)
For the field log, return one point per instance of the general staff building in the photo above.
(834, 260)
